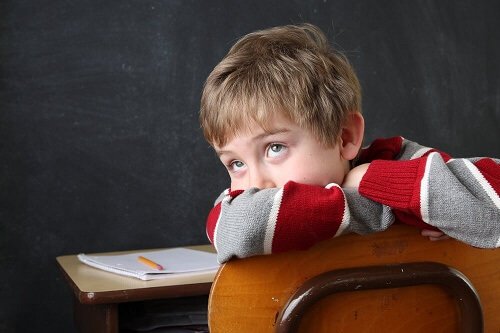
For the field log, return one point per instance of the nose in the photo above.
(260, 178)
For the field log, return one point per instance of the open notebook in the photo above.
(173, 261)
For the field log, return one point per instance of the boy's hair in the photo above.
(289, 69)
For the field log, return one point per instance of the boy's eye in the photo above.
(275, 150)
(235, 166)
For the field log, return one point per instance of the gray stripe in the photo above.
(408, 149)
(459, 206)
(246, 215)
(367, 216)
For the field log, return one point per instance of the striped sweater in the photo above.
(405, 183)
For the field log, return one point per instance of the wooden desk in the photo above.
(97, 293)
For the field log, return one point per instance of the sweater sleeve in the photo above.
(254, 222)
(458, 196)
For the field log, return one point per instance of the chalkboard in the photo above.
(99, 139)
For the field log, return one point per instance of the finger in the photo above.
(431, 233)
(443, 237)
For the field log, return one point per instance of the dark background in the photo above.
(100, 147)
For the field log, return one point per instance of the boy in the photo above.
(282, 111)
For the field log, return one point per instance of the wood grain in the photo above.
(248, 294)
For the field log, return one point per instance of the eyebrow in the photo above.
(257, 138)
(270, 133)
(221, 152)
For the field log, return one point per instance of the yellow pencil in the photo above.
(150, 263)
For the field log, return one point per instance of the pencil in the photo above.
(150, 263)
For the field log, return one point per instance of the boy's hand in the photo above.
(434, 235)
(353, 177)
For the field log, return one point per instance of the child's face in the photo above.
(286, 152)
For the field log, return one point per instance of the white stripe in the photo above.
(483, 182)
(346, 217)
(224, 200)
(420, 152)
(271, 222)
(424, 190)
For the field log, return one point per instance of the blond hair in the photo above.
(289, 69)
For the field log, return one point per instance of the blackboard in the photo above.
(99, 140)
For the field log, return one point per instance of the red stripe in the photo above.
(415, 217)
(307, 215)
(212, 219)
(394, 183)
(381, 149)
(445, 156)
(491, 172)
(410, 219)
(214, 214)
(416, 200)
(235, 193)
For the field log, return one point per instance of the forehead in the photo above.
(245, 122)
(254, 131)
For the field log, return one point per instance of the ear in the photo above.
(351, 136)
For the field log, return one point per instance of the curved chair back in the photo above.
(394, 281)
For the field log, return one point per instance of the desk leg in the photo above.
(96, 318)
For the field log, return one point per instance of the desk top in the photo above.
(94, 286)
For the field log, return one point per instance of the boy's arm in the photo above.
(458, 196)
(253, 222)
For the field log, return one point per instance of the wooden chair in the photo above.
(394, 281)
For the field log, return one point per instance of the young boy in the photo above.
(282, 111)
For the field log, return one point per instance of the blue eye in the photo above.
(235, 166)
(275, 150)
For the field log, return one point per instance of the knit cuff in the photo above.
(394, 183)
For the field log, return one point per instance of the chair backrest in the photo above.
(394, 281)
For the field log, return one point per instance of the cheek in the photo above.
(238, 184)
(304, 174)
(322, 174)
